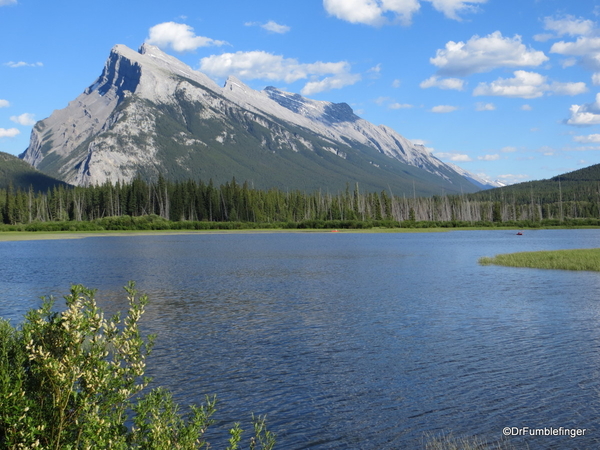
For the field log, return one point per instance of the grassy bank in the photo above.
(155, 223)
(581, 259)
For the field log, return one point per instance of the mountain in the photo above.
(148, 114)
(581, 185)
(479, 181)
(21, 175)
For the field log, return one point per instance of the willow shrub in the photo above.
(74, 380)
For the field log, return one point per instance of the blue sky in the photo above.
(503, 88)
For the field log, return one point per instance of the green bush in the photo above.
(74, 380)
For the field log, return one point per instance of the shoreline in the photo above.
(9, 236)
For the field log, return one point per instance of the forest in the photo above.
(197, 205)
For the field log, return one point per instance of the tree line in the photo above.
(197, 201)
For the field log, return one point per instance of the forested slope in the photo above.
(20, 175)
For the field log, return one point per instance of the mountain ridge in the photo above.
(149, 113)
(19, 175)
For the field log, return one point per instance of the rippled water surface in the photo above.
(350, 340)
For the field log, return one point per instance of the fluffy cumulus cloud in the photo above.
(373, 12)
(178, 36)
(587, 48)
(9, 132)
(527, 85)
(443, 83)
(267, 66)
(382, 12)
(271, 26)
(586, 114)
(441, 109)
(483, 54)
(523, 85)
(4, 103)
(26, 119)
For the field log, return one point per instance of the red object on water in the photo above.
(334, 231)
(519, 234)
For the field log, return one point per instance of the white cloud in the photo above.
(266, 66)
(589, 139)
(328, 83)
(495, 157)
(10, 132)
(274, 27)
(587, 48)
(483, 54)
(455, 157)
(26, 119)
(373, 12)
(375, 69)
(543, 37)
(526, 108)
(271, 26)
(451, 8)
(596, 79)
(178, 36)
(14, 65)
(569, 25)
(383, 12)
(443, 83)
(8, 2)
(444, 109)
(586, 114)
(523, 85)
(400, 106)
(527, 85)
(396, 83)
(508, 149)
(568, 88)
(480, 106)
(4, 103)
(569, 62)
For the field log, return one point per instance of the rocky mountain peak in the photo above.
(178, 122)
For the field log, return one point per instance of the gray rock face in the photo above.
(149, 113)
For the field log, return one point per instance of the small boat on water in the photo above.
(519, 234)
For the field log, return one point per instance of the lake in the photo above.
(350, 340)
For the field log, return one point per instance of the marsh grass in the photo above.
(581, 259)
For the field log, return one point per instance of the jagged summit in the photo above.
(149, 113)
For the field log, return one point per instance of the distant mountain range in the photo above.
(579, 185)
(149, 114)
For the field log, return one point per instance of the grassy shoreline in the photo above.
(579, 259)
(51, 235)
